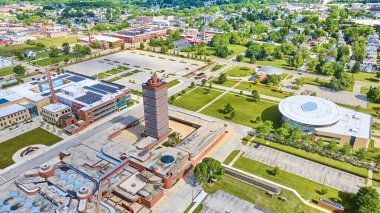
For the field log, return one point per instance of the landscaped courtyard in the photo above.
(36, 136)
(240, 71)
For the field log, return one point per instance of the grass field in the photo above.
(114, 79)
(246, 110)
(364, 90)
(257, 196)
(60, 58)
(130, 73)
(57, 41)
(231, 156)
(321, 83)
(2, 17)
(237, 49)
(280, 63)
(11, 50)
(196, 99)
(240, 71)
(36, 136)
(302, 185)
(6, 71)
(315, 157)
(366, 77)
(262, 89)
(228, 83)
(172, 83)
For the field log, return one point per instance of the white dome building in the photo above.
(326, 120)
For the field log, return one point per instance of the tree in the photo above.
(66, 60)
(255, 96)
(366, 200)
(164, 49)
(19, 70)
(328, 68)
(172, 99)
(312, 64)
(66, 48)
(264, 129)
(54, 52)
(333, 147)
(239, 58)
(96, 44)
(342, 81)
(346, 150)
(142, 46)
(274, 80)
(122, 46)
(276, 171)
(296, 61)
(373, 94)
(356, 67)
(222, 78)
(208, 170)
(222, 51)
(192, 84)
(282, 133)
(228, 108)
(204, 81)
(362, 154)
(295, 135)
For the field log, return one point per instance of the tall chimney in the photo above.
(53, 98)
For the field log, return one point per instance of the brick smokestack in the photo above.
(53, 98)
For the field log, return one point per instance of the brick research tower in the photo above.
(155, 95)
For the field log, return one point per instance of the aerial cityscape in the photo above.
(182, 106)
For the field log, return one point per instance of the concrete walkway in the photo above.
(369, 179)
(217, 98)
(306, 202)
(267, 97)
(198, 200)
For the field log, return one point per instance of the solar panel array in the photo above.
(89, 98)
(253, 182)
(105, 88)
(75, 79)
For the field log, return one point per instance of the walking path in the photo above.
(369, 179)
(198, 200)
(306, 202)
(221, 95)
(267, 97)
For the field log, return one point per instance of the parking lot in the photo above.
(305, 168)
(136, 59)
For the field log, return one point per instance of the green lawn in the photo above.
(130, 73)
(257, 196)
(246, 110)
(280, 63)
(60, 58)
(36, 136)
(315, 157)
(364, 90)
(2, 17)
(114, 79)
(11, 50)
(366, 77)
(101, 75)
(172, 83)
(373, 108)
(237, 49)
(302, 185)
(320, 82)
(262, 89)
(57, 41)
(231, 156)
(217, 67)
(229, 83)
(196, 99)
(240, 71)
(6, 71)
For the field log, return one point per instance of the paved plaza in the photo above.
(305, 168)
(136, 59)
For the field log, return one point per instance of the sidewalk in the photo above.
(198, 200)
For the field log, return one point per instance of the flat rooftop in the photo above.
(8, 110)
(58, 107)
(352, 123)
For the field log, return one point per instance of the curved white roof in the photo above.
(270, 70)
(310, 110)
